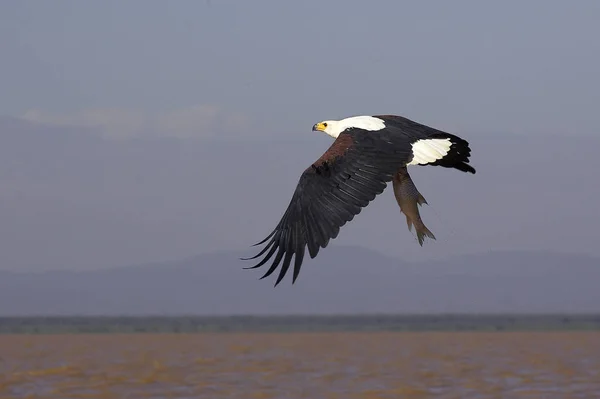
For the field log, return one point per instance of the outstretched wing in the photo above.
(349, 175)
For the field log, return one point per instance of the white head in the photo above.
(329, 127)
(334, 128)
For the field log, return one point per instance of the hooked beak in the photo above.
(319, 127)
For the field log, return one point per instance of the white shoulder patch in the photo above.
(363, 122)
(429, 150)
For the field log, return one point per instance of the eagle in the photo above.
(368, 153)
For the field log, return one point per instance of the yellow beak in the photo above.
(319, 126)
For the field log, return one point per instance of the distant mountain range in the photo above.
(346, 280)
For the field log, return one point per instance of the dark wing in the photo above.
(460, 152)
(349, 175)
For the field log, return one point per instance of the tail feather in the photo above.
(458, 156)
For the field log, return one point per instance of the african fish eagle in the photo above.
(368, 152)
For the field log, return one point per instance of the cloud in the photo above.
(190, 120)
(201, 120)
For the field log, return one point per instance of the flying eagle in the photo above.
(368, 152)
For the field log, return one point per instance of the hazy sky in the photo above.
(518, 79)
(508, 66)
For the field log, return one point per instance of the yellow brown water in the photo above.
(302, 365)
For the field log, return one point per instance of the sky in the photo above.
(150, 130)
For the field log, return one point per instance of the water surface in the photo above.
(302, 365)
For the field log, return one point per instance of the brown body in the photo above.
(409, 199)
